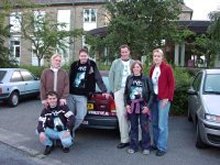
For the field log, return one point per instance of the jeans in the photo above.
(144, 123)
(54, 135)
(160, 117)
(77, 104)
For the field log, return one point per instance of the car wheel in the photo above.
(13, 99)
(189, 117)
(199, 143)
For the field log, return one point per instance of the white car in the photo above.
(16, 83)
(204, 107)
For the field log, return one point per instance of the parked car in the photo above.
(101, 112)
(16, 83)
(204, 107)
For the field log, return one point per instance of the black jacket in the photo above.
(147, 92)
(47, 116)
(93, 76)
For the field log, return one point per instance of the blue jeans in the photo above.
(144, 122)
(160, 117)
(77, 104)
(54, 135)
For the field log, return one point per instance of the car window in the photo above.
(2, 74)
(197, 81)
(16, 76)
(106, 82)
(27, 76)
(212, 83)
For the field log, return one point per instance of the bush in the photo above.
(180, 103)
(35, 70)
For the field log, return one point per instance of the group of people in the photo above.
(139, 100)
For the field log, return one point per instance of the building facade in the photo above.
(76, 14)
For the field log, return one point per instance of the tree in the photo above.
(142, 25)
(43, 31)
(208, 44)
(5, 59)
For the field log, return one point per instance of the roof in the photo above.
(67, 2)
(198, 27)
(195, 26)
(212, 71)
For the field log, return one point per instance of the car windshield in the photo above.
(212, 84)
(106, 82)
(2, 74)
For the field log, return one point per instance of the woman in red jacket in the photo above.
(163, 83)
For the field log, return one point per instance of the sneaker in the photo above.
(122, 145)
(146, 152)
(131, 151)
(66, 149)
(160, 153)
(47, 150)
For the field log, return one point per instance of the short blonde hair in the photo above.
(139, 63)
(54, 56)
(158, 50)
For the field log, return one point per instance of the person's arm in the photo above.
(111, 76)
(41, 122)
(43, 86)
(171, 82)
(66, 86)
(70, 118)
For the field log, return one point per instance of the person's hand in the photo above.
(128, 109)
(62, 102)
(164, 102)
(66, 134)
(145, 110)
(42, 137)
(45, 103)
(107, 95)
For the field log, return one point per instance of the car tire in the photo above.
(189, 117)
(13, 99)
(199, 143)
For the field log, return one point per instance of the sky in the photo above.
(201, 8)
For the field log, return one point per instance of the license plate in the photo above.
(90, 106)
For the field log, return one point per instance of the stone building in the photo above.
(86, 14)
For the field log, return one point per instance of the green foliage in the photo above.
(43, 31)
(179, 105)
(5, 60)
(35, 70)
(141, 24)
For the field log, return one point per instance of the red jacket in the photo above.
(166, 81)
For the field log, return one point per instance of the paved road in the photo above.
(98, 147)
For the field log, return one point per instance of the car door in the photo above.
(17, 83)
(31, 83)
(194, 100)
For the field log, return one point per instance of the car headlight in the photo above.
(212, 118)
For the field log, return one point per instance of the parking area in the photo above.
(17, 128)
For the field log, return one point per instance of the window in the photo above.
(2, 75)
(90, 15)
(15, 48)
(16, 77)
(39, 17)
(63, 17)
(15, 22)
(27, 76)
(212, 83)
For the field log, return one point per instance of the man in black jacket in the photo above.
(83, 77)
(55, 123)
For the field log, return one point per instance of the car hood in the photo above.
(212, 104)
